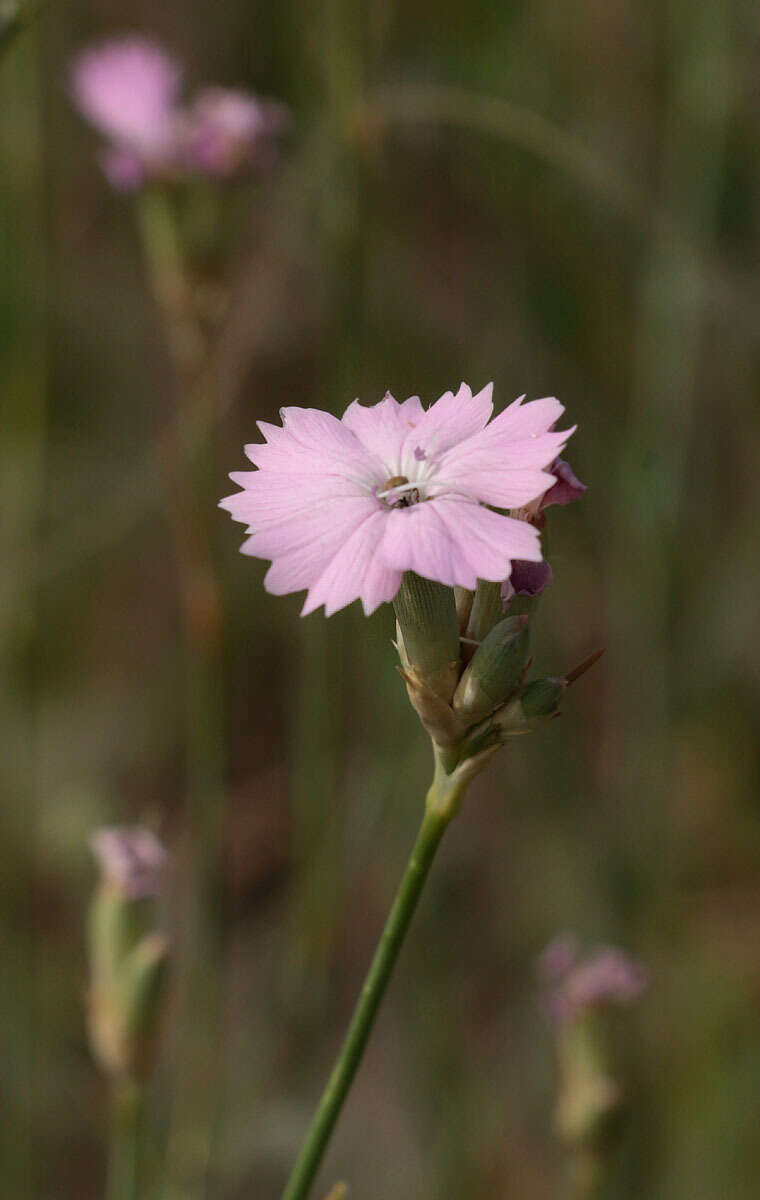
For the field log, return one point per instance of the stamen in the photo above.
(396, 488)
(399, 492)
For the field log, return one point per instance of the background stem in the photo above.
(124, 1142)
(195, 1113)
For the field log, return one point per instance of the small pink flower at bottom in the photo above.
(575, 985)
(128, 90)
(131, 860)
(226, 129)
(344, 507)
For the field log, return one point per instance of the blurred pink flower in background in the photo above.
(344, 507)
(226, 129)
(129, 90)
(574, 984)
(131, 859)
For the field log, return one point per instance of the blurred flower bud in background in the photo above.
(579, 996)
(226, 130)
(131, 860)
(129, 957)
(129, 90)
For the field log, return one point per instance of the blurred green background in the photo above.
(561, 198)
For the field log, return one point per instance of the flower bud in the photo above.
(578, 992)
(339, 1192)
(541, 697)
(429, 633)
(128, 958)
(145, 974)
(567, 487)
(536, 701)
(131, 860)
(495, 670)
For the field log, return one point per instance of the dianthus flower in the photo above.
(344, 507)
(128, 89)
(226, 129)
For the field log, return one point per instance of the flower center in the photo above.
(398, 492)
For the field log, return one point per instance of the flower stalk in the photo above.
(441, 806)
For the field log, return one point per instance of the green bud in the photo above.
(429, 632)
(495, 670)
(339, 1192)
(589, 1097)
(143, 989)
(542, 697)
(128, 974)
(536, 702)
(115, 925)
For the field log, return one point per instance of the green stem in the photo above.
(124, 1143)
(441, 806)
(585, 1174)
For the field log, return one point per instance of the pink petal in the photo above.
(356, 572)
(380, 427)
(314, 442)
(504, 464)
(452, 419)
(303, 549)
(502, 489)
(522, 420)
(456, 542)
(271, 499)
(412, 410)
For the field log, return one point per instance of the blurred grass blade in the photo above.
(11, 24)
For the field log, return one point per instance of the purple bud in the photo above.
(529, 578)
(567, 487)
(131, 860)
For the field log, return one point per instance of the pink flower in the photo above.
(131, 860)
(344, 507)
(128, 90)
(226, 129)
(574, 985)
